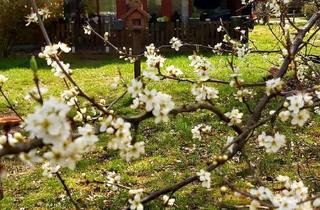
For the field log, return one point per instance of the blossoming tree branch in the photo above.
(55, 138)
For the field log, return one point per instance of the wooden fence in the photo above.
(200, 32)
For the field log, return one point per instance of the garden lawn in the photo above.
(171, 153)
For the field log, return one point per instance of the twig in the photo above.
(116, 100)
(184, 109)
(232, 187)
(67, 190)
(10, 104)
(109, 183)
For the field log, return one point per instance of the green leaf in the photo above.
(33, 64)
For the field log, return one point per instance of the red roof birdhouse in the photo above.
(136, 18)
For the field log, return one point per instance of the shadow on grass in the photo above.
(76, 61)
(80, 60)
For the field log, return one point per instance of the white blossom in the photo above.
(3, 79)
(287, 203)
(298, 101)
(31, 18)
(44, 12)
(50, 51)
(274, 86)
(87, 29)
(148, 98)
(106, 36)
(271, 144)
(136, 191)
(167, 200)
(300, 118)
(242, 50)
(121, 138)
(88, 136)
(278, 142)
(220, 28)
(175, 43)
(235, 117)
(284, 115)
(292, 197)
(254, 205)
(205, 178)
(159, 103)
(35, 93)
(60, 69)
(131, 152)
(151, 75)
(150, 50)
(316, 92)
(49, 122)
(262, 193)
(135, 87)
(64, 47)
(135, 202)
(136, 103)
(217, 47)
(199, 129)
(49, 170)
(31, 157)
(173, 71)
(163, 105)
(204, 93)
(155, 61)
(69, 96)
(113, 180)
(78, 117)
(10, 139)
(201, 66)
(316, 202)
(243, 93)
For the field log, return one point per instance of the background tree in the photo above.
(12, 21)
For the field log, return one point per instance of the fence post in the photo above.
(137, 68)
(137, 36)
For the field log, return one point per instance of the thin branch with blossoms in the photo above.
(56, 59)
(254, 117)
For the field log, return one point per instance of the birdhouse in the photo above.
(136, 18)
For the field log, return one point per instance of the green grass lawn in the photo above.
(171, 153)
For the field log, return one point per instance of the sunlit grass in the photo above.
(167, 159)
